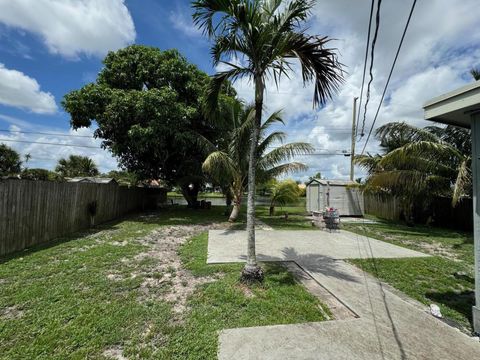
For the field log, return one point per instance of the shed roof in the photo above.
(331, 182)
(455, 107)
(95, 180)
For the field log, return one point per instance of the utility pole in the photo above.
(354, 140)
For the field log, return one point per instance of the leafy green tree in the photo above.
(40, 175)
(230, 164)
(76, 166)
(264, 36)
(283, 192)
(123, 177)
(10, 163)
(147, 104)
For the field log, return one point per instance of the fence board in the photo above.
(35, 212)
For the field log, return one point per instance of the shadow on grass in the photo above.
(111, 225)
(461, 302)
(178, 215)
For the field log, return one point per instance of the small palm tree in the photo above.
(230, 165)
(264, 35)
(283, 192)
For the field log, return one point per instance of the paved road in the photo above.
(388, 326)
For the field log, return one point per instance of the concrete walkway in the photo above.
(388, 326)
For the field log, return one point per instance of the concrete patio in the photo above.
(389, 324)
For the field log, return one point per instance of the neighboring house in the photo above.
(93, 180)
(338, 194)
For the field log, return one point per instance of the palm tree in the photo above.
(230, 165)
(76, 166)
(283, 192)
(419, 163)
(264, 35)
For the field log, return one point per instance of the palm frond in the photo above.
(319, 63)
(215, 86)
(283, 153)
(283, 169)
(367, 162)
(220, 167)
(463, 182)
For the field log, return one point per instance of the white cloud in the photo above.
(21, 91)
(72, 27)
(441, 46)
(182, 21)
(46, 156)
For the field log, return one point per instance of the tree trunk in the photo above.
(235, 211)
(191, 194)
(252, 272)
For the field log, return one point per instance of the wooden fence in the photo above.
(382, 206)
(440, 211)
(35, 212)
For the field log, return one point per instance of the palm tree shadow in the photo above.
(316, 263)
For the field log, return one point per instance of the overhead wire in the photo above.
(365, 62)
(372, 58)
(390, 74)
(43, 133)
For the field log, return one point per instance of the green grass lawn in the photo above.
(296, 217)
(59, 301)
(445, 279)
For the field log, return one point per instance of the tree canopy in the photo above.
(77, 166)
(147, 105)
(10, 163)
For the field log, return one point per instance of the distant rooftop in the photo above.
(455, 107)
(94, 180)
(332, 182)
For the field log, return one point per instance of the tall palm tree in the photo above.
(230, 165)
(264, 35)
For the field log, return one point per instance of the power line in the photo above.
(48, 143)
(43, 133)
(390, 74)
(372, 55)
(365, 61)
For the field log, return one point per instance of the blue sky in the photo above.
(50, 47)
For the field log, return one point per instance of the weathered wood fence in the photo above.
(440, 211)
(385, 207)
(35, 212)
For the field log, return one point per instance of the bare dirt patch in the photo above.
(11, 312)
(115, 352)
(167, 279)
(247, 292)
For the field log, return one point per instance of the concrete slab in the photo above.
(389, 326)
(306, 245)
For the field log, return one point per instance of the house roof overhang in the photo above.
(455, 107)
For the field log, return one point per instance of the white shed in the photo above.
(338, 194)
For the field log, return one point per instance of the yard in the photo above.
(137, 288)
(446, 279)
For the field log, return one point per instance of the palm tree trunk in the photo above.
(252, 272)
(235, 211)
